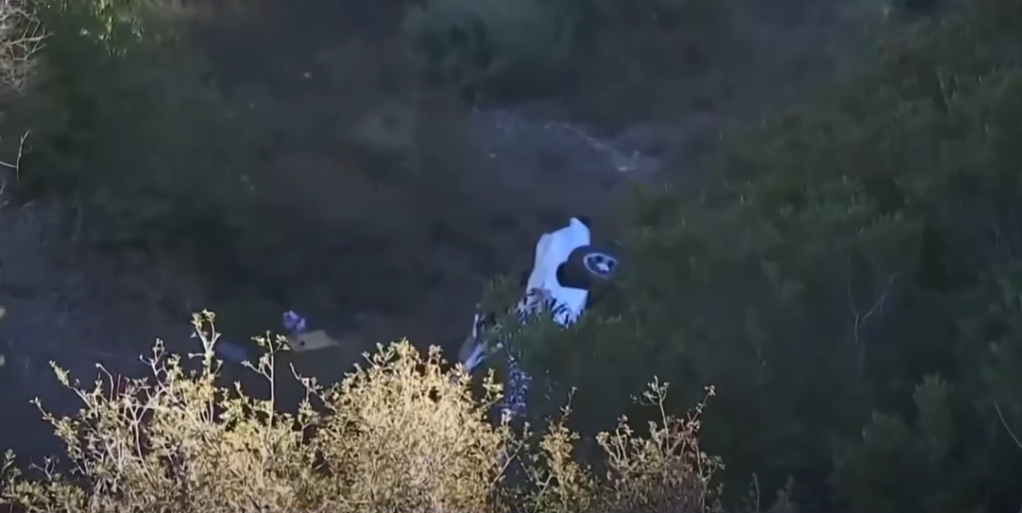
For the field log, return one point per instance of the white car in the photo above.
(566, 265)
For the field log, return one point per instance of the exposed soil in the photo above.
(61, 306)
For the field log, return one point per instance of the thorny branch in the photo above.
(878, 306)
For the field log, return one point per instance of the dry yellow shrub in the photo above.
(403, 433)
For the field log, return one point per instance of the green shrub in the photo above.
(606, 59)
(658, 61)
(492, 44)
(125, 129)
(846, 252)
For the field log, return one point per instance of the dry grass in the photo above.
(403, 433)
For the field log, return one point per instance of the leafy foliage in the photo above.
(847, 282)
(123, 124)
(492, 43)
(540, 48)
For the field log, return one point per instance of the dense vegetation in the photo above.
(846, 279)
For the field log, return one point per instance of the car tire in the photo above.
(587, 266)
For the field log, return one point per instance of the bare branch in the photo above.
(1004, 423)
(860, 319)
(16, 166)
(21, 36)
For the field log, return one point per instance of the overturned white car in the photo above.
(565, 267)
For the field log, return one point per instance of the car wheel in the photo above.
(586, 266)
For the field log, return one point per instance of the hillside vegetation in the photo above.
(845, 282)
(848, 281)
